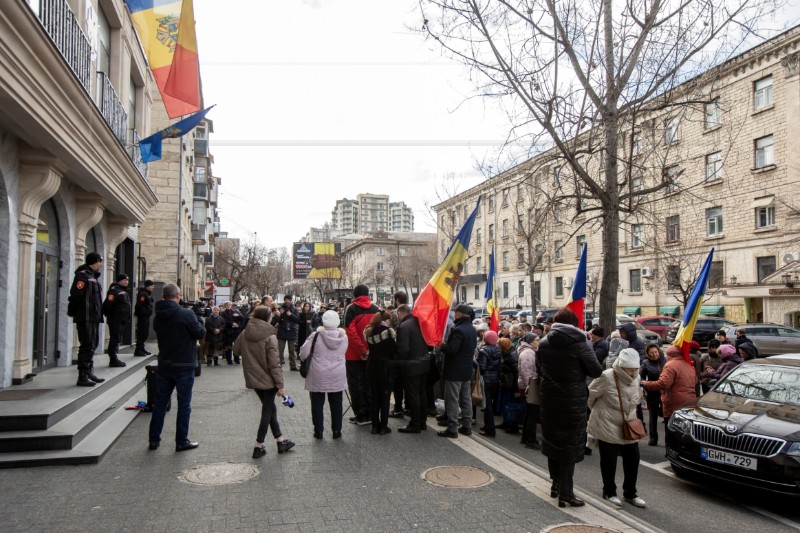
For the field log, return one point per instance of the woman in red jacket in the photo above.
(676, 383)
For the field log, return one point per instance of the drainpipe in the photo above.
(180, 210)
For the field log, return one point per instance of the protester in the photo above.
(650, 370)
(398, 390)
(413, 364)
(258, 348)
(382, 341)
(215, 329)
(730, 357)
(748, 350)
(326, 372)
(710, 360)
(234, 324)
(599, 344)
(528, 381)
(627, 331)
(304, 326)
(287, 331)
(457, 373)
(356, 317)
(489, 360)
(676, 383)
(508, 391)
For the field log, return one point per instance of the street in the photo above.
(362, 482)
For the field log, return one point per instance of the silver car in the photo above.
(770, 339)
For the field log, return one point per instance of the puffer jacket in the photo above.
(489, 360)
(730, 360)
(261, 364)
(677, 385)
(605, 422)
(651, 371)
(509, 369)
(326, 370)
(527, 365)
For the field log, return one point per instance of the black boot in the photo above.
(216, 360)
(83, 379)
(90, 375)
(237, 360)
(229, 357)
(209, 360)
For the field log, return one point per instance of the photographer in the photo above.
(287, 330)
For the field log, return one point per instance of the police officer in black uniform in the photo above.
(143, 311)
(117, 309)
(85, 308)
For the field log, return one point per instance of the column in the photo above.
(40, 176)
(89, 211)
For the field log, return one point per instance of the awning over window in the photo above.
(669, 310)
(713, 310)
(472, 278)
(764, 201)
(634, 311)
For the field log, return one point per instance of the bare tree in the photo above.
(587, 77)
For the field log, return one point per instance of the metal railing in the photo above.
(111, 108)
(64, 30)
(136, 155)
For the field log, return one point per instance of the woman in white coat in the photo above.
(606, 422)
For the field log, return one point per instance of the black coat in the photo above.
(232, 316)
(212, 323)
(144, 304)
(564, 360)
(509, 370)
(117, 306)
(651, 371)
(412, 352)
(304, 327)
(382, 349)
(459, 351)
(287, 325)
(85, 296)
(178, 331)
(601, 350)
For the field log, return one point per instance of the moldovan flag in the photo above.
(577, 300)
(158, 23)
(491, 305)
(433, 304)
(684, 337)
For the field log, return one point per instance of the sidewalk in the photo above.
(362, 482)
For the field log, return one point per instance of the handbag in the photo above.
(532, 392)
(631, 429)
(305, 363)
(475, 386)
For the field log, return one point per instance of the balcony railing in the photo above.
(64, 30)
(136, 155)
(111, 107)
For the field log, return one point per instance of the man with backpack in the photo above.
(356, 318)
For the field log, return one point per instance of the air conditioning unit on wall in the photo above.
(567, 282)
(791, 256)
(647, 272)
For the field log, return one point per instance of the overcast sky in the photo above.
(319, 100)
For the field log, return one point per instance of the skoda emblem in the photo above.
(731, 429)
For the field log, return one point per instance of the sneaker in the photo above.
(363, 421)
(285, 445)
(637, 501)
(613, 499)
(259, 452)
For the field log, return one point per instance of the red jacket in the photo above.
(676, 383)
(356, 318)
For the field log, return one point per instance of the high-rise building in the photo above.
(401, 217)
(373, 212)
(370, 213)
(344, 217)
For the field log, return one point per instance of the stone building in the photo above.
(720, 172)
(75, 93)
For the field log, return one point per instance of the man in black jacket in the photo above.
(412, 364)
(85, 308)
(178, 331)
(117, 309)
(143, 311)
(457, 373)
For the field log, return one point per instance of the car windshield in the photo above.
(772, 383)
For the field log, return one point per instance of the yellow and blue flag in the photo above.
(491, 303)
(151, 146)
(684, 336)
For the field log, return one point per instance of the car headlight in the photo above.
(794, 449)
(680, 423)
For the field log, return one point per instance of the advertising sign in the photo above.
(317, 260)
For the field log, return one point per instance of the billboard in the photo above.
(317, 260)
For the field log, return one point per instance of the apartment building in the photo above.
(720, 172)
(401, 217)
(344, 217)
(76, 94)
(369, 213)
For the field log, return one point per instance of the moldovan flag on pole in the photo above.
(491, 306)
(684, 337)
(183, 82)
(432, 306)
(577, 300)
(158, 24)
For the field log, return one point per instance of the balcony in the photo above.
(64, 30)
(111, 108)
(201, 147)
(136, 155)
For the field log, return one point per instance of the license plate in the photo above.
(728, 458)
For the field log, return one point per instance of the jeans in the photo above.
(529, 425)
(488, 415)
(292, 356)
(359, 390)
(562, 474)
(608, 467)
(458, 394)
(416, 400)
(114, 337)
(142, 332)
(181, 381)
(653, 410)
(269, 416)
(317, 416)
(88, 337)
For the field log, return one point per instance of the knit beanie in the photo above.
(628, 358)
(490, 338)
(360, 290)
(330, 319)
(726, 350)
(93, 257)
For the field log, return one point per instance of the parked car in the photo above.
(745, 430)
(527, 313)
(508, 314)
(658, 324)
(544, 314)
(770, 339)
(621, 319)
(649, 336)
(704, 330)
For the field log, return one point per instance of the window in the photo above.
(765, 216)
(505, 228)
(491, 202)
(580, 241)
(402, 252)
(765, 267)
(521, 288)
(558, 212)
(674, 228)
(557, 177)
(762, 93)
(381, 251)
(673, 277)
(478, 265)
(637, 184)
(463, 293)
(491, 232)
(671, 130)
(765, 154)
(713, 114)
(715, 275)
(636, 143)
(637, 235)
(537, 181)
(380, 265)
(505, 259)
(672, 175)
(559, 287)
(520, 192)
(477, 293)
(466, 267)
(635, 280)
(559, 250)
(714, 166)
(505, 196)
(521, 256)
(520, 223)
(478, 233)
(714, 221)
(505, 289)
(466, 212)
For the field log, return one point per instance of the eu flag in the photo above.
(151, 146)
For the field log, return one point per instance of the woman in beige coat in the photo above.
(605, 424)
(258, 347)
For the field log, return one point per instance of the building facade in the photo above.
(401, 217)
(76, 94)
(721, 174)
(370, 213)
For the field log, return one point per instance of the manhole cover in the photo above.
(578, 528)
(219, 474)
(461, 477)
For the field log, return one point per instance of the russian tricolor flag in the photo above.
(577, 300)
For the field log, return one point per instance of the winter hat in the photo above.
(360, 290)
(330, 319)
(490, 338)
(122, 277)
(628, 358)
(504, 344)
(694, 346)
(149, 283)
(464, 309)
(726, 350)
(673, 351)
(749, 349)
(483, 326)
(93, 257)
(529, 338)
